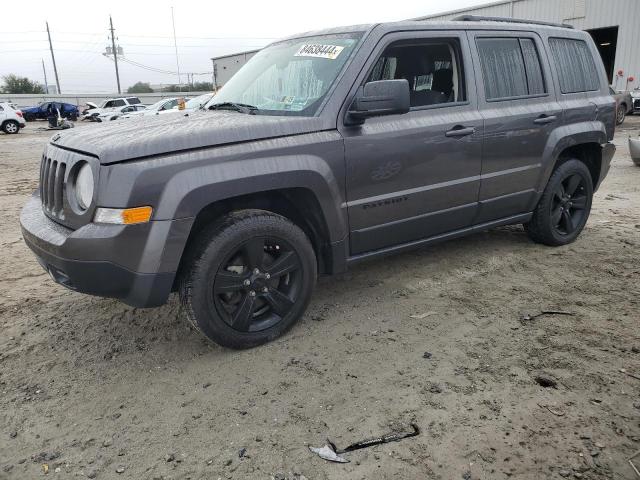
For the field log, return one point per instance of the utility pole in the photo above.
(53, 59)
(115, 53)
(46, 83)
(175, 44)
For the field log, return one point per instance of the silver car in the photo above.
(624, 104)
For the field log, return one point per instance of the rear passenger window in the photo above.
(510, 68)
(576, 69)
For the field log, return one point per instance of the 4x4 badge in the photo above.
(56, 137)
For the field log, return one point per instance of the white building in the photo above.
(226, 66)
(613, 24)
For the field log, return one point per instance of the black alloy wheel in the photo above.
(569, 204)
(247, 278)
(257, 285)
(564, 207)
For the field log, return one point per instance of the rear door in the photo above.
(518, 104)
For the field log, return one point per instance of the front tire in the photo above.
(564, 207)
(11, 126)
(248, 278)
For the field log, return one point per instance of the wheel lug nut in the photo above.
(252, 293)
(265, 289)
(247, 283)
(267, 276)
(256, 271)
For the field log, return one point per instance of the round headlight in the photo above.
(84, 186)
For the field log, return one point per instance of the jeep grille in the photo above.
(52, 176)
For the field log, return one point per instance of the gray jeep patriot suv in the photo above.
(326, 149)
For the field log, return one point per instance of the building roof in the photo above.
(467, 9)
(245, 52)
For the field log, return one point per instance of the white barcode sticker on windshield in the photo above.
(321, 51)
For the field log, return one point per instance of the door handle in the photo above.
(545, 119)
(460, 131)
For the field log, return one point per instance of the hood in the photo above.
(145, 136)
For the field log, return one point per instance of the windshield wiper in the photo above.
(238, 107)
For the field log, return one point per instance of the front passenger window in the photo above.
(432, 68)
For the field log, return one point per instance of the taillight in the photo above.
(19, 113)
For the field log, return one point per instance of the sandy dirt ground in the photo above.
(92, 388)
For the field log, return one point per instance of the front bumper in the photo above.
(136, 264)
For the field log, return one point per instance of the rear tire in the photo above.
(10, 127)
(621, 114)
(248, 278)
(564, 207)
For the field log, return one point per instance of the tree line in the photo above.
(15, 84)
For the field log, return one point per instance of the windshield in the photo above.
(197, 102)
(156, 105)
(290, 77)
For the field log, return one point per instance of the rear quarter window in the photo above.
(574, 62)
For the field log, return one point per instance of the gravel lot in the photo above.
(92, 388)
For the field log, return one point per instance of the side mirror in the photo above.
(384, 97)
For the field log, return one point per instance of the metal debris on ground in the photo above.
(420, 316)
(557, 413)
(632, 375)
(327, 453)
(528, 317)
(331, 453)
(635, 469)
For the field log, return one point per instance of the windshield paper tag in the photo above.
(321, 51)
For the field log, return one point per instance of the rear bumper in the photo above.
(608, 151)
(136, 264)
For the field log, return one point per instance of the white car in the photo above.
(192, 105)
(111, 105)
(157, 108)
(115, 113)
(11, 119)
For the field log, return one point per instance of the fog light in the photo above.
(123, 216)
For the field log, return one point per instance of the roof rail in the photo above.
(479, 18)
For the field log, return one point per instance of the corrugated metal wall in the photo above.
(582, 14)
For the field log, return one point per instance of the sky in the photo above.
(204, 29)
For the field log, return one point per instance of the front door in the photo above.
(416, 175)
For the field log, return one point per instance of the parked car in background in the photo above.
(624, 104)
(45, 110)
(115, 113)
(11, 119)
(635, 97)
(110, 105)
(160, 106)
(192, 105)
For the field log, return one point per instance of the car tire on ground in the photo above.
(621, 114)
(10, 126)
(564, 207)
(248, 278)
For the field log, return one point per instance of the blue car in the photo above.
(45, 110)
